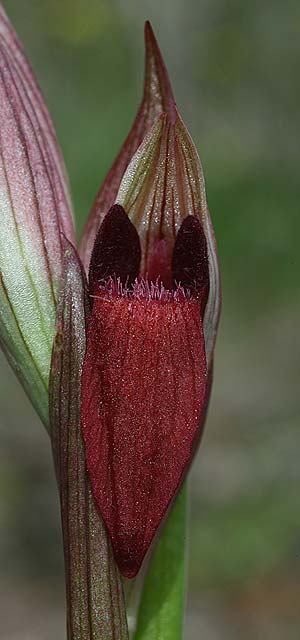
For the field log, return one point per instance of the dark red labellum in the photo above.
(144, 382)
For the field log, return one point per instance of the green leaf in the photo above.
(161, 609)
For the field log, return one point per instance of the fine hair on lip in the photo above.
(142, 290)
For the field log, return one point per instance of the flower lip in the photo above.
(144, 376)
(143, 394)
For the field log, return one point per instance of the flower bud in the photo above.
(35, 208)
(155, 295)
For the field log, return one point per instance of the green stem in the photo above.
(161, 609)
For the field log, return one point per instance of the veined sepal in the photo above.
(95, 602)
(157, 99)
(164, 184)
(34, 209)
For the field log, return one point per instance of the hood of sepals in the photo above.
(162, 186)
(159, 150)
(144, 380)
(157, 99)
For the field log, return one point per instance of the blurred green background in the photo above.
(235, 71)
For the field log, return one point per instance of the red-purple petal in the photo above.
(143, 395)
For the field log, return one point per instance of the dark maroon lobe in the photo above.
(190, 259)
(117, 250)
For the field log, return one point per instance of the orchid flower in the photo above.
(118, 343)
